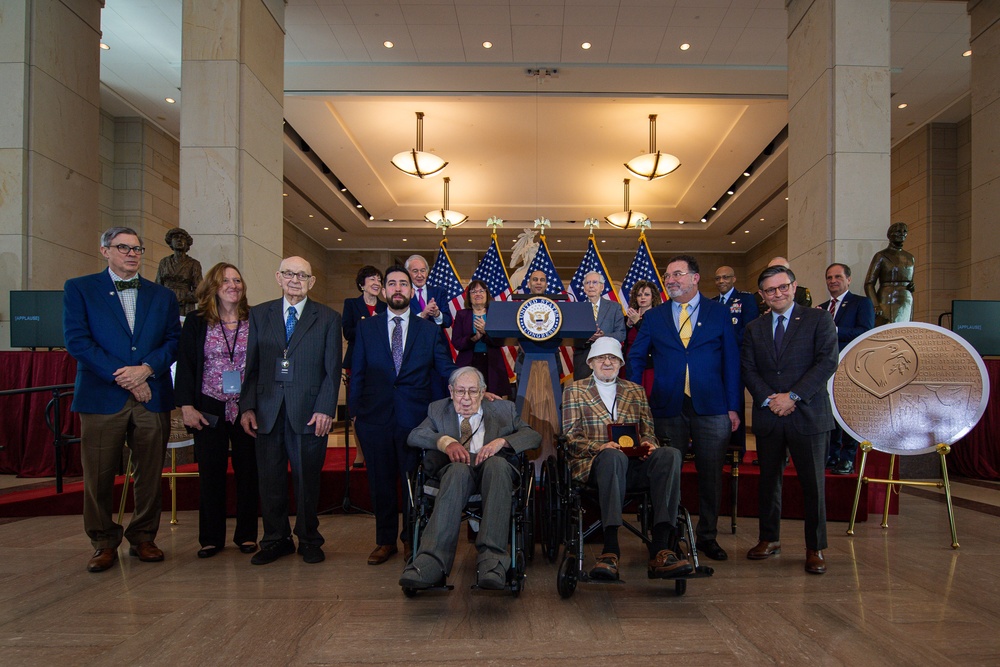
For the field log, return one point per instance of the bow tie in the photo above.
(122, 285)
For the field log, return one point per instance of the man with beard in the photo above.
(397, 357)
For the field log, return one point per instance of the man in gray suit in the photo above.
(288, 399)
(472, 445)
(788, 355)
(610, 322)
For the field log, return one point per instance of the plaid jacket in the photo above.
(585, 420)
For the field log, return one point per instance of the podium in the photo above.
(539, 392)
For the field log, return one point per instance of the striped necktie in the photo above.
(685, 333)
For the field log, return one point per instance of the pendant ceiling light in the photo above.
(416, 162)
(653, 164)
(625, 218)
(452, 218)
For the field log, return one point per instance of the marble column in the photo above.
(49, 126)
(232, 82)
(838, 126)
(985, 171)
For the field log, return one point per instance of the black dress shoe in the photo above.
(208, 552)
(273, 552)
(311, 553)
(832, 462)
(248, 548)
(844, 468)
(712, 549)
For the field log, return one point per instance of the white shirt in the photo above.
(421, 292)
(478, 434)
(405, 324)
(836, 307)
(127, 298)
(608, 392)
(285, 305)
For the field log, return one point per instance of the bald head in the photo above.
(296, 278)
(778, 261)
(725, 278)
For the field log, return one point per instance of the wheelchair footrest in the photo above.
(584, 578)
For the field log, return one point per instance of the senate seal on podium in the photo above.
(539, 318)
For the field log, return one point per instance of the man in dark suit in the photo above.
(853, 315)
(788, 357)
(696, 387)
(427, 301)
(609, 318)
(123, 331)
(397, 356)
(288, 400)
(743, 309)
(471, 447)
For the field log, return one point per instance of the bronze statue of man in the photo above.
(892, 270)
(178, 272)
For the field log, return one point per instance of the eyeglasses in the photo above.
(288, 275)
(592, 282)
(477, 291)
(729, 277)
(607, 359)
(676, 275)
(126, 249)
(462, 392)
(771, 291)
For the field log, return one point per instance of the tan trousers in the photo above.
(102, 438)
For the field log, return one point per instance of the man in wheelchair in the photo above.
(590, 406)
(471, 446)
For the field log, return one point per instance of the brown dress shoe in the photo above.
(102, 560)
(381, 554)
(147, 552)
(606, 568)
(815, 563)
(764, 550)
(668, 565)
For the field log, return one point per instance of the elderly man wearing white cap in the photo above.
(598, 457)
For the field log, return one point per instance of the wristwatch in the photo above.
(795, 397)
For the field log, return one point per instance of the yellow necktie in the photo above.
(597, 307)
(685, 333)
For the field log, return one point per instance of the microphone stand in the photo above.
(347, 507)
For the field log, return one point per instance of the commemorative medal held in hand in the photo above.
(908, 387)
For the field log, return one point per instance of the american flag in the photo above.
(444, 277)
(543, 262)
(493, 272)
(591, 262)
(643, 268)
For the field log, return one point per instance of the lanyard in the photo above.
(236, 334)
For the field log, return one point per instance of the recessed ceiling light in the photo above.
(326, 229)
(746, 231)
(343, 189)
(340, 239)
(603, 241)
(733, 242)
(311, 215)
(404, 239)
(729, 192)
(371, 217)
(586, 45)
(762, 219)
(170, 100)
(391, 220)
(387, 44)
(284, 194)
(358, 206)
(487, 45)
(786, 198)
(108, 48)
(746, 173)
(964, 55)
(704, 219)
(685, 46)
(902, 106)
(470, 240)
(715, 208)
(558, 240)
(680, 222)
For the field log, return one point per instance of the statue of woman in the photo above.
(179, 272)
(892, 270)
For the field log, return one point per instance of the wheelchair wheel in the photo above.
(551, 510)
(680, 586)
(518, 578)
(409, 592)
(528, 522)
(567, 576)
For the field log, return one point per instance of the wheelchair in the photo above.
(423, 489)
(562, 515)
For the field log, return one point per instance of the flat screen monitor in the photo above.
(36, 318)
(979, 323)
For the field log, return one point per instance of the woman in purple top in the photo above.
(210, 366)
(475, 347)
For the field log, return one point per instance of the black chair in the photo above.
(423, 488)
(561, 504)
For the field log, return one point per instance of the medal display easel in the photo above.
(906, 389)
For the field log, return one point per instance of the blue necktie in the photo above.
(779, 334)
(289, 324)
(397, 343)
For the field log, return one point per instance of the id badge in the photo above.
(282, 370)
(231, 382)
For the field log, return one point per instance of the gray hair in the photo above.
(465, 370)
(110, 234)
(595, 273)
(413, 257)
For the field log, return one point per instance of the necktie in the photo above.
(121, 285)
(685, 333)
(420, 298)
(289, 324)
(465, 431)
(833, 305)
(597, 309)
(397, 343)
(779, 334)
(722, 298)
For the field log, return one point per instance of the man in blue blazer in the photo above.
(397, 357)
(123, 331)
(696, 387)
(853, 316)
(288, 400)
(743, 309)
(428, 302)
(609, 318)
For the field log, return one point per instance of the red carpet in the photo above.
(839, 492)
